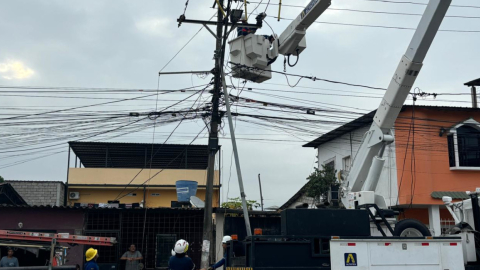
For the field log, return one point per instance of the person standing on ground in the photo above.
(223, 261)
(133, 258)
(9, 260)
(91, 257)
(180, 261)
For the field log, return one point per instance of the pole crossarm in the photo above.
(247, 25)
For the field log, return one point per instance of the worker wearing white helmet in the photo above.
(242, 30)
(180, 261)
(226, 239)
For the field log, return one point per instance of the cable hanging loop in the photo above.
(298, 57)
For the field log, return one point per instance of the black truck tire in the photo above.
(406, 227)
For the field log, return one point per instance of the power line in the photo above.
(378, 12)
(416, 3)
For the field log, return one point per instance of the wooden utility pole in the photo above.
(212, 146)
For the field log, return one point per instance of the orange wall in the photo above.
(431, 170)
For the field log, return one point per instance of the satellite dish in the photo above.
(196, 202)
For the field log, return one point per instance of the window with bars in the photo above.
(464, 146)
(140, 227)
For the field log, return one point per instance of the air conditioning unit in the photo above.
(74, 195)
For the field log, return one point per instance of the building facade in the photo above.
(48, 219)
(137, 175)
(436, 152)
(40, 192)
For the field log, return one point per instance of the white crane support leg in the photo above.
(367, 165)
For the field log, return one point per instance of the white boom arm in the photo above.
(256, 53)
(368, 163)
(292, 40)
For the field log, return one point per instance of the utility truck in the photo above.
(365, 233)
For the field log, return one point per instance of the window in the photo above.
(330, 163)
(155, 194)
(347, 163)
(132, 194)
(468, 146)
(464, 146)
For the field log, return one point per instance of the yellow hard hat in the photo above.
(90, 254)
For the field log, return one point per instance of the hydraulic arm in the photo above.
(368, 163)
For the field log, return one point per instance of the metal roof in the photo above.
(453, 194)
(9, 196)
(367, 120)
(351, 126)
(138, 155)
(295, 197)
(473, 83)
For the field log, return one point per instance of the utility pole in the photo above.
(212, 146)
(261, 195)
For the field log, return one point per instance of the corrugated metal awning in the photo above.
(454, 194)
(138, 155)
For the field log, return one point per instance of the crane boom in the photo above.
(368, 163)
(292, 39)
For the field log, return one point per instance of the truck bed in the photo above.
(397, 253)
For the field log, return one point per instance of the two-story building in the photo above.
(436, 153)
(135, 174)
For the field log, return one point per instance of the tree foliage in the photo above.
(1, 179)
(320, 182)
(236, 203)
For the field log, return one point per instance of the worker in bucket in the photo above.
(242, 30)
(223, 261)
(91, 256)
(180, 261)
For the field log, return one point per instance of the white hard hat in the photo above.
(181, 246)
(226, 238)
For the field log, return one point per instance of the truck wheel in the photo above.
(411, 228)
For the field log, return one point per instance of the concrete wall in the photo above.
(96, 195)
(109, 176)
(347, 145)
(46, 219)
(100, 185)
(40, 192)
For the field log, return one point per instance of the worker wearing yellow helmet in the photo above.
(91, 256)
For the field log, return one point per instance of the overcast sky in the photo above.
(124, 44)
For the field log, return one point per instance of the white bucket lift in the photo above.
(252, 55)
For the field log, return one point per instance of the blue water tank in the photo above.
(186, 189)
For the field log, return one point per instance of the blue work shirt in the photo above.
(180, 263)
(222, 262)
(91, 265)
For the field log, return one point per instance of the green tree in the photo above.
(1, 179)
(236, 203)
(320, 183)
